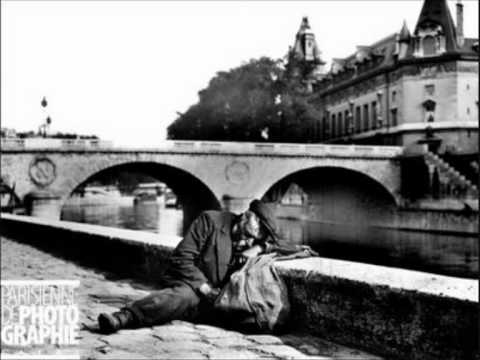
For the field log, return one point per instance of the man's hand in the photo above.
(252, 252)
(209, 293)
(308, 250)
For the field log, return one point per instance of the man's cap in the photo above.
(266, 214)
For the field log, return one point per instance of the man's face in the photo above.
(242, 244)
(251, 229)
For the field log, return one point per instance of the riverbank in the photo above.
(99, 292)
(363, 306)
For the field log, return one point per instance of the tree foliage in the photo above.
(256, 101)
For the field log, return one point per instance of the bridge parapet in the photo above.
(287, 149)
(51, 143)
(244, 148)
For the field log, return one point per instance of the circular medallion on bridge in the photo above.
(237, 172)
(42, 171)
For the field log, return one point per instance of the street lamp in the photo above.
(43, 128)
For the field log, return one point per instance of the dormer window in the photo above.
(337, 66)
(429, 46)
(430, 41)
(362, 54)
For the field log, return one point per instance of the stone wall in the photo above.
(400, 314)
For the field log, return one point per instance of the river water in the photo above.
(441, 254)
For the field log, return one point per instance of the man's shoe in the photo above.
(110, 323)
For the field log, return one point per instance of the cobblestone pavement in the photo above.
(175, 340)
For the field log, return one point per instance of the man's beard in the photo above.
(243, 244)
(243, 236)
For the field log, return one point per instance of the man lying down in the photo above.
(217, 244)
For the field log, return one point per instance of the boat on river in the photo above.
(97, 195)
(150, 192)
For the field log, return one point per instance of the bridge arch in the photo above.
(337, 194)
(193, 194)
(236, 172)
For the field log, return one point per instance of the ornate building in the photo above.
(304, 58)
(408, 88)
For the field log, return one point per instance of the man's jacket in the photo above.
(204, 253)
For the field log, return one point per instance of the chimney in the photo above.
(460, 37)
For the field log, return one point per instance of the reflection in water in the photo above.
(443, 254)
(424, 251)
(150, 216)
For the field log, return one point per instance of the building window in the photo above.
(394, 119)
(321, 129)
(365, 117)
(340, 124)
(429, 106)
(468, 111)
(373, 122)
(394, 96)
(334, 130)
(468, 86)
(429, 46)
(347, 120)
(358, 120)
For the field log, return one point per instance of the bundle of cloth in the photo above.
(256, 297)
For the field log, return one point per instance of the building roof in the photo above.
(384, 53)
(298, 47)
(304, 27)
(437, 12)
(378, 54)
(404, 35)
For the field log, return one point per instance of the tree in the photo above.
(256, 101)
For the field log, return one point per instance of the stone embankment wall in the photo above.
(398, 313)
(457, 218)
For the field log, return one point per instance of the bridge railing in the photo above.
(208, 146)
(12, 143)
(283, 148)
(50, 143)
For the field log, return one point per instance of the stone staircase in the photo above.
(451, 183)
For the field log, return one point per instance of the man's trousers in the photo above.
(171, 303)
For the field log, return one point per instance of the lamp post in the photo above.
(43, 128)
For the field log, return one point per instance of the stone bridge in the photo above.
(202, 174)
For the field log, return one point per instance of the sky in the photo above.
(123, 69)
